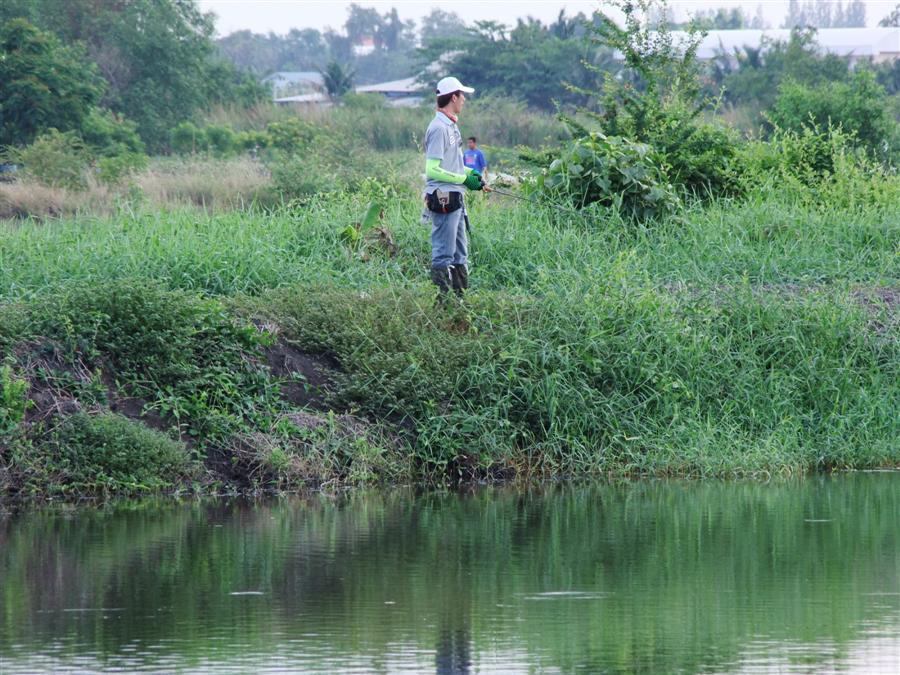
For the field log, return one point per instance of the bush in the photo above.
(110, 454)
(296, 178)
(658, 99)
(614, 172)
(820, 168)
(54, 159)
(113, 170)
(184, 353)
(187, 139)
(111, 135)
(699, 157)
(221, 140)
(251, 140)
(292, 134)
(13, 400)
(808, 155)
(860, 107)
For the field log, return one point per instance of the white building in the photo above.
(294, 83)
(876, 44)
(398, 93)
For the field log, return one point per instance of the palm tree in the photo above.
(338, 79)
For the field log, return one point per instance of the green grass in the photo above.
(766, 240)
(729, 340)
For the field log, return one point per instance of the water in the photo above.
(802, 576)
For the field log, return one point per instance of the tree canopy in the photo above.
(43, 84)
(157, 57)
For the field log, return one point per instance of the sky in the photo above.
(279, 16)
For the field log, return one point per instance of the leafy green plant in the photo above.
(658, 99)
(292, 134)
(13, 399)
(252, 140)
(611, 171)
(54, 158)
(114, 170)
(188, 139)
(220, 139)
(108, 134)
(109, 454)
(860, 107)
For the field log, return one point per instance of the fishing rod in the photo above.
(534, 202)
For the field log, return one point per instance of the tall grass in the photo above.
(766, 241)
(496, 122)
(730, 339)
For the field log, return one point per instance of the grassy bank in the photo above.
(266, 350)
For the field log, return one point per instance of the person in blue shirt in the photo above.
(473, 158)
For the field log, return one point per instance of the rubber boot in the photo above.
(459, 278)
(441, 276)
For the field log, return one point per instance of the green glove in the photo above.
(473, 181)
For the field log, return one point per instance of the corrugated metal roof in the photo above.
(295, 77)
(408, 85)
(305, 98)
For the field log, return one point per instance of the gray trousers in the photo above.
(449, 245)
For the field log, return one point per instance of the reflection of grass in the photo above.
(689, 574)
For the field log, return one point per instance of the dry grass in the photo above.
(212, 184)
(215, 185)
(23, 199)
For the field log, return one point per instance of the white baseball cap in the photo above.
(450, 84)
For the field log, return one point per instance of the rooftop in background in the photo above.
(409, 86)
(879, 44)
(287, 82)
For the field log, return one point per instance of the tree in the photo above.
(825, 14)
(892, 20)
(722, 19)
(441, 25)
(760, 71)
(157, 56)
(338, 79)
(361, 23)
(529, 62)
(43, 84)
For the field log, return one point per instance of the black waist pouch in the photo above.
(444, 202)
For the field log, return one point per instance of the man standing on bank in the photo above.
(446, 177)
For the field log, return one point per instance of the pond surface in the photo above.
(800, 576)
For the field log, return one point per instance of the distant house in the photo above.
(398, 93)
(364, 47)
(875, 44)
(294, 83)
(316, 98)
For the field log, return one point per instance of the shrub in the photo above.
(296, 178)
(220, 139)
(700, 157)
(860, 107)
(113, 170)
(808, 155)
(614, 172)
(13, 400)
(658, 99)
(54, 159)
(187, 139)
(111, 135)
(291, 134)
(110, 454)
(251, 140)
(182, 352)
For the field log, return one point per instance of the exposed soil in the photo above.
(307, 377)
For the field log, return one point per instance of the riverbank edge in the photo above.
(130, 389)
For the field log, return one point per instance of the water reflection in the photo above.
(655, 577)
